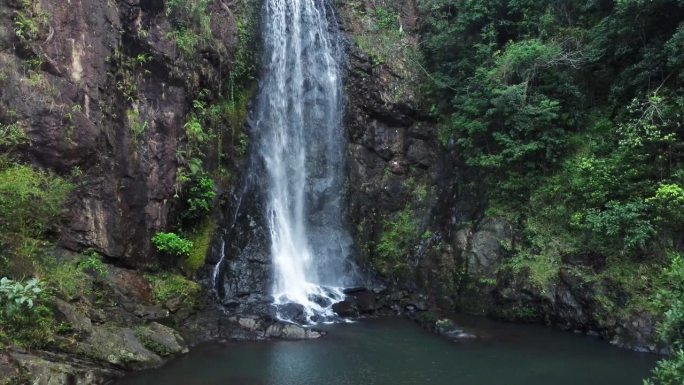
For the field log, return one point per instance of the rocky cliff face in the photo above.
(102, 90)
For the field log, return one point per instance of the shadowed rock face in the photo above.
(78, 92)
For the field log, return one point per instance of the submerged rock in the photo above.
(447, 328)
(292, 332)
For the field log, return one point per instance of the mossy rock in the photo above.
(161, 339)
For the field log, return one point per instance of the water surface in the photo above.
(397, 351)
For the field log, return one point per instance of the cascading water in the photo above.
(300, 140)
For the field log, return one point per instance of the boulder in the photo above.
(68, 313)
(161, 339)
(486, 247)
(56, 369)
(346, 308)
(291, 332)
(10, 371)
(117, 346)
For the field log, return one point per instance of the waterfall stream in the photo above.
(298, 118)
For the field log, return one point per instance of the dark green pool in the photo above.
(396, 351)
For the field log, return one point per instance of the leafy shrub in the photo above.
(24, 317)
(68, 280)
(93, 263)
(172, 244)
(396, 240)
(192, 24)
(670, 299)
(168, 286)
(628, 222)
(199, 198)
(668, 203)
(30, 208)
(11, 135)
(30, 200)
(669, 371)
(386, 18)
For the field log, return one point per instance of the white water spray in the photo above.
(298, 118)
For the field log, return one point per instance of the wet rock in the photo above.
(449, 329)
(320, 300)
(76, 319)
(419, 153)
(486, 246)
(148, 313)
(203, 326)
(161, 339)
(293, 312)
(346, 308)
(173, 304)
(365, 301)
(352, 290)
(251, 323)
(117, 346)
(56, 369)
(291, 332)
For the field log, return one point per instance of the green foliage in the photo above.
(668, 203)
(186, 41)
(17, 296)
(670, 298)
(30, 20)
(399, 235)
(11, 135)
(192, 24)
(200, 195)
(244, 66)
(30, 211)
(172, 244)
(136, 124)
(24, 317)
(380, 36)
(626, 221)
(541, 269)
(94, 265)
(201, 242)
(669, 371)
(195, 133)
(386, 18)
(67, 278)
(171, 286)
(30, 200)
(566, 117)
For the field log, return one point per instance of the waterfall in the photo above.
(298, 119)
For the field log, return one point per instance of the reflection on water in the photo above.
(396, 351)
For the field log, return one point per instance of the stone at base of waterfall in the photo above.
(292, 312)
(263, 328)
(358, 301)
(345, 308)
(449, 329)
(321, 300)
